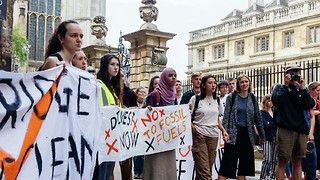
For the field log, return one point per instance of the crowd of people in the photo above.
(286, 124)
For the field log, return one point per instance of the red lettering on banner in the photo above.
(146, 120)
(155, 115)
(134, 125)
(107, 134)
(162, 112)
(147, 133)
(185, 154)
(111, 147)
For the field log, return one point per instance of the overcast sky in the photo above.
(175, 16)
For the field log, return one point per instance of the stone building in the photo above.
(261, 35)
(39, 18)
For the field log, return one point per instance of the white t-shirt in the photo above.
(206, 116)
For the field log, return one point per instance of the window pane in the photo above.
(57, 11)
(33, 5)
(40, 41)
(317, 34)
(32, 36)
(42, 6)
(50, 7)
(49, 29)
(311, 35)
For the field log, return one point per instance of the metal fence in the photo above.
(262, 79)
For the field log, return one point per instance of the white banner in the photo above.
(132, 132)
(48, 124)
(185, 163)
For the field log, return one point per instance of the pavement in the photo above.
(258, 160)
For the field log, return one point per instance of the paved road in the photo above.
(117, 173)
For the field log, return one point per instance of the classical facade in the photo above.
(39, 18)
(260, 36)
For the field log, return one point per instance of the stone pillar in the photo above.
(6, 43)
(148, 55)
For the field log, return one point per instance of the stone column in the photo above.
(6, 43)
(148, 55)
(148, 47)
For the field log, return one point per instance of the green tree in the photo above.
(19, 46)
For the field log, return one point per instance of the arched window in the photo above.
(58, 8)
(57, 21)
(49, 29)
(43, 17)
(40, 42)
(42, 6)
(32, 35)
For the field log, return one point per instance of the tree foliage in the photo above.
(19, 46)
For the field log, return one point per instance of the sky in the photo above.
(175, 16)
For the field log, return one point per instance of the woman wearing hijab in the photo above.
(162, 165)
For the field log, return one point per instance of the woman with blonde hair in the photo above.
(240, 116)
(269, 146)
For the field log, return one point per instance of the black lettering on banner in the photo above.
(113, 123)
(180, 170)
(81, 95)
(37, 84)
(36, 112)
(84, 145)
(149, 144)
(220, 155)
(182, 140)
(11, 109)
(53, 149)
(24, 89)
(38, 158)
(64, 108)
(129, 139)
(73, 153)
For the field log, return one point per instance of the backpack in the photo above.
(197, 104)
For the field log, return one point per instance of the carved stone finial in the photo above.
(99, 29)
(148, 13)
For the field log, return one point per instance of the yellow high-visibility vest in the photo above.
(106, 97)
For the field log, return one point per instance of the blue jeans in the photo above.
(138, 165)
(309, 165)
(106, 170)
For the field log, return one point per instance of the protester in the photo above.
(195, 81)
(269, 146)
(291, 100)
(231, 84)
(162, 166)
(79, 60)
(153, 83)
(179, 91)
(110, 94)
(129, 101)
(223, 88)
(241, 114)
(309, 163)
(205, 127)
(314, 88)
(65, 41)
(138, 160)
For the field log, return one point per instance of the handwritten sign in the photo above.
(185, 163)
(48, 123)
(132, 132)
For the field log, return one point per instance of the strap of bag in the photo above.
(195, 107)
